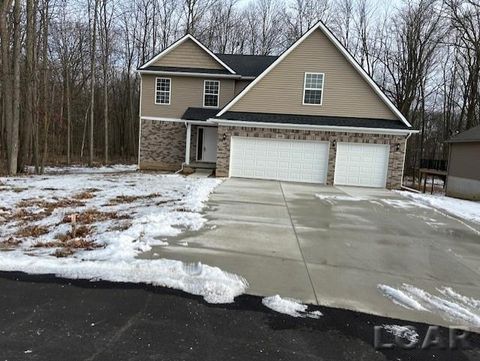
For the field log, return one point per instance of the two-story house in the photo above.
(311, 114)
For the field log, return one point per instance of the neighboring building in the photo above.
(309, 115)
(463, 180)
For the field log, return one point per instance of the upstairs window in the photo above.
(211, 93)
(163, 88)
(313, 88)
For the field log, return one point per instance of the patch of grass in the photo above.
(19, 189)
(131, 199)
(63, 252)
(83, 195)
(122, 226)
(80, 232)
(93, 215)
(32, 231)
(10, 243)
(50, 206)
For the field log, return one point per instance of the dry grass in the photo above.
(22, 215)
(10, 243)
(79, 232)
(86, 194)
(32, 231)
(71, 242)
(122, 226)
(131, 199)
(50, 206)
(93, 215)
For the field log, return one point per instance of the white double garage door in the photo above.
(356, 164)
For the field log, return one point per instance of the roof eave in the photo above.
(330, 128)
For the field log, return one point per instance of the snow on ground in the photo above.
(289, 307)
(402, 331)
(114, 168)
(93, 225)
(448, 304)
(467, 210)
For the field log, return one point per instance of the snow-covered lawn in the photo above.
(83, 223)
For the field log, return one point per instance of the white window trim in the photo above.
(305, 88)
(218, 95)
(169, 91)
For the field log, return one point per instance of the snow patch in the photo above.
(401, 298)
(402, 331)
(289, 306)
(339, 197)
(215, 285)
(79, 169)
(467, 210)
(449, 305)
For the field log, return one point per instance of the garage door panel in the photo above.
(290, 160)
(360, 164)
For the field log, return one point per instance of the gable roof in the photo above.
(248, 65)
(471, 135)
(343, 51)
(179, 42)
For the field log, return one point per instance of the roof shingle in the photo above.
(315, 120)
(471, 135)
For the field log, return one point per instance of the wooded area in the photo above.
(70, 91)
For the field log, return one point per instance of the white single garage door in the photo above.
(363, 165)
(279, 159)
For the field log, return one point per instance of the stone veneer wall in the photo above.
(395, 166)
(162, 145)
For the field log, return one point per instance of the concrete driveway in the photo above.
(335, 249)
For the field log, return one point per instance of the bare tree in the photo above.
(465, 20)
(93, 48)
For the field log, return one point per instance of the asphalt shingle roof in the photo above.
(471, 135)
(247, 65)
(200, 113)
(315, 120)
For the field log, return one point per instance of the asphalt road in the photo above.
(44, 318)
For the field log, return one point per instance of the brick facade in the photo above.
(395, 167)
(162, 145)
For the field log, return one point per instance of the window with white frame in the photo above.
(163, 87)
(211, 93)
(313, 88)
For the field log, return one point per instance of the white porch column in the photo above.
(187, 144)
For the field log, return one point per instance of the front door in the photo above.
(207, 144)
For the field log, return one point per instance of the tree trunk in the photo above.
(92, 81)
(30, 87)
(14, 137)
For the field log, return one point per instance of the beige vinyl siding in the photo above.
(185, 92)
(346, 93)
(188, 55)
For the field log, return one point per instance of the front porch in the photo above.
(201, 146)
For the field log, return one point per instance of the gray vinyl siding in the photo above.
(346, 93)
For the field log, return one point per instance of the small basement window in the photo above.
(313, 89)
(162, 91)
(211, 93)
